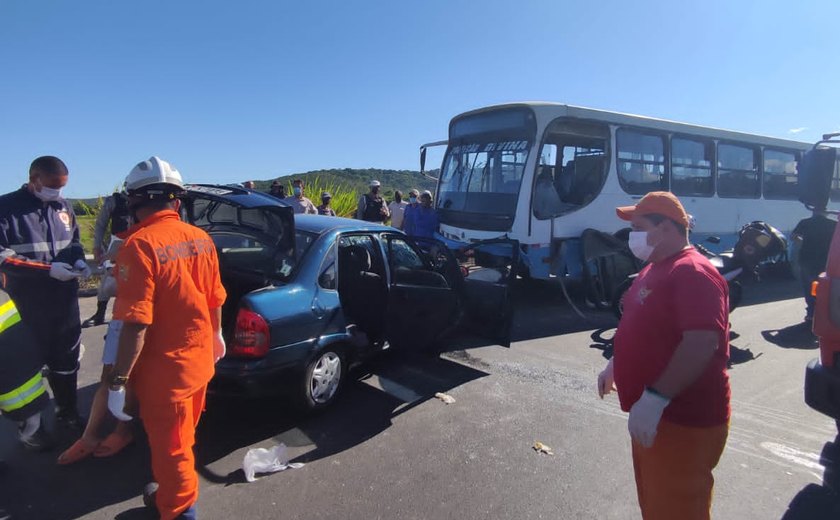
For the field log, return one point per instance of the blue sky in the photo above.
(228, 91)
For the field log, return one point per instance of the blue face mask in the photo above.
(413, 200)
(297, 191)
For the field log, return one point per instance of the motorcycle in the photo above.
(757, 242)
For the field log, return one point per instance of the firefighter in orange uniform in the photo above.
(169, 296)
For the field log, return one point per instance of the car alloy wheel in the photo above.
(325, 377)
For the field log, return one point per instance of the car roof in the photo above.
(321, 224)
(318, 224)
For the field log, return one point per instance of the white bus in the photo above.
(542, 173)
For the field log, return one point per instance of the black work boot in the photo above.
(64, 393)
(99, 317)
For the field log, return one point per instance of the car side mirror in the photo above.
(815, 171)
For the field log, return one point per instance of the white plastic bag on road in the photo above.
(261, 460)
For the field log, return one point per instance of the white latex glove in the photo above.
(645, 416)
(63, 272)
(116, 404)
(606, 381)
(219, 347)
(82, 267)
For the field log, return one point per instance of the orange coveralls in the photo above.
(168, 279)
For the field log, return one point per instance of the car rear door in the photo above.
(421, 302)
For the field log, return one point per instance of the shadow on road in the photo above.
(35, 487)
(797, 336)
(820, 502)
(362, 412)
(771, 289)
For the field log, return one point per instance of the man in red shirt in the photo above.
(669, 367)
(169, 296)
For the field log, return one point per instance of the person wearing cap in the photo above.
(298, 201)
(413, 204)
(397, 210)
(422, 220)
(277, 189)
(372, 206)
(169, 298)
(324, 208)
(669, 364)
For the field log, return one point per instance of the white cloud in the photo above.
(797, 130)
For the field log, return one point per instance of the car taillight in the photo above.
(250, 338)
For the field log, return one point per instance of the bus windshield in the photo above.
(483, 167)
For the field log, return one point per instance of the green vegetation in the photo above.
(86, 225)
(356, 180)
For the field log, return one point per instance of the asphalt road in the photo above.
(390, 450)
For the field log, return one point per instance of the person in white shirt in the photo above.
(397, 210)
(298, 201)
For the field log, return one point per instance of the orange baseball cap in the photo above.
(662, 203)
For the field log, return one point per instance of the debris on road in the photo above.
(542, 448)
(446, 398)
(261, 460)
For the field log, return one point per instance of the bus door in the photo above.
(572, 168)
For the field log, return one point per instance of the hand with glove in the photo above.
(82, 267)
(645, 416)
(606, 381)
(116, 403)
(219, 347)
(63, 272)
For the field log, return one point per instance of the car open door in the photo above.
(488, 269)
(421, 301)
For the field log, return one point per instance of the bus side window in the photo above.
(779, 175)
(641, 161)
(571, 172)
(738, 171)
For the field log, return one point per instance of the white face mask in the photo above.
(48, 194)
(639, 245)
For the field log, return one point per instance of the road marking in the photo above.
(803, 458)
(392, 388)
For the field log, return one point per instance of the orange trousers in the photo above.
(171, 431)
(674, 476)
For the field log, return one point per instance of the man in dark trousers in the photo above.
(112, 218)
(39, 236)
(813, 235)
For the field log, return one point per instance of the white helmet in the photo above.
(154, 172)
(374, 184)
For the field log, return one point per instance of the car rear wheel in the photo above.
(323, 380)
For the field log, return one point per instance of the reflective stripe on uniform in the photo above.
(8, 316)
(39, 247)
(22, 395)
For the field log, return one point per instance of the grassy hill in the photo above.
(348, 181)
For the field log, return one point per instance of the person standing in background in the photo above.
(278, 189)
(113, 217)
(813, 235)
(298, 201)
(324, 208)
(422, 221)
(413, 204)
(397, 210)
(372, 206)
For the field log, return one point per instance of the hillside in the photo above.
(345, 180)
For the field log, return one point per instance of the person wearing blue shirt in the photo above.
(422, 220)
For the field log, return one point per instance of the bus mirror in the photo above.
(422, 160)
(815, 170)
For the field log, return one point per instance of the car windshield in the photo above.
(483, 168)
